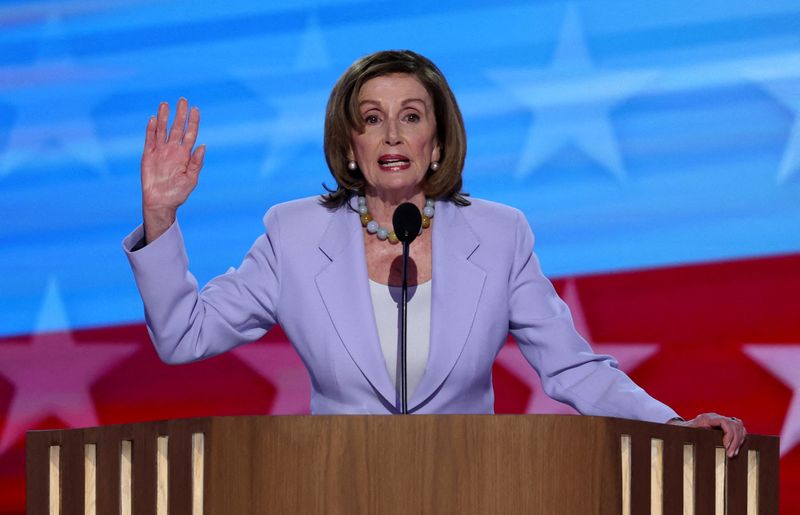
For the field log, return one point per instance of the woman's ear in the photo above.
(435, 155)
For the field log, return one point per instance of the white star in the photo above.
(781, 78)
(782, 361)
(300, 117)
(299, 123)
(49, 129)
(280, 365)
(52, 374)
(313, 52)
(629, 356)
(572, 102)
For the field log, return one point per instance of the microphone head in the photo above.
(407, 222)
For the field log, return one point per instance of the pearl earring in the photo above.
(434, 166)
(352, 165)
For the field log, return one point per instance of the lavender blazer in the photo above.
(308, 273)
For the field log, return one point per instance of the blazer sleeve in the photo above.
(569, 370)
(234, 308)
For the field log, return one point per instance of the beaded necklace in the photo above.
(382, 232)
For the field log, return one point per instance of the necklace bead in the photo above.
(383, 233)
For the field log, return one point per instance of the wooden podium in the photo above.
(439, 464)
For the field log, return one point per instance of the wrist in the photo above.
(156, 223)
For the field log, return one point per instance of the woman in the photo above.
(326, 267)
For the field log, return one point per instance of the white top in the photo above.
(386, 303)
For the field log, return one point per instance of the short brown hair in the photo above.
(342, 116)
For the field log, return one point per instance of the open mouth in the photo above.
(394, 162)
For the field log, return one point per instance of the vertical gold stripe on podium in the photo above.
(55, 480)
(688, 479)
(719, 481)
(752, 482)
(125, 484)
(198, 462)
(162, 475)
(90, 479)
(625, 452)
(656, 476)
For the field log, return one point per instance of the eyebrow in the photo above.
(405, 102)
(409, 100)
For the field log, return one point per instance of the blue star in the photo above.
(49, 129)
(572, 102)
(313, 53)
(299, 122)
(781, 78)
(300, 117)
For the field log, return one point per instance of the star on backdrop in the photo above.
(300, 117)
(280, 365)
(313, 51)
(299, 123)
(572, 102)
(52, 374)
(629, 356)
(36, 92)
(783, 362)
(780, 77)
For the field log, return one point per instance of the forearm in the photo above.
(187, 325)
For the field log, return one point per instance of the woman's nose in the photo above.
(392, 136)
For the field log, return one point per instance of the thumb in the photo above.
(196, 161)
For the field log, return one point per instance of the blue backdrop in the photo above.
(633, 134)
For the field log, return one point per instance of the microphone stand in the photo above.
(407, 222)
(403, 330)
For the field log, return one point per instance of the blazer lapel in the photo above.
(457, 288)
(344, 288)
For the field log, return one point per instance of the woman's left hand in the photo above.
(733, 429)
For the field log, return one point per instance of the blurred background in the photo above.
(654, 147)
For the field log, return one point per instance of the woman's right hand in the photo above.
(170, 166)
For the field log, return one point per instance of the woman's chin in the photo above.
(397, 190)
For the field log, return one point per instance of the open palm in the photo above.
(170, 166)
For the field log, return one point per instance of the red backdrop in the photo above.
(719, 337)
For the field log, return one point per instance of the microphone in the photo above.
(407, 222)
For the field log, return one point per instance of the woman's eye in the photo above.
(371, 119)
(412, 117)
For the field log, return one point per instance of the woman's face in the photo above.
(399, 138)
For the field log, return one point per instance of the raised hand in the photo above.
(170, 166)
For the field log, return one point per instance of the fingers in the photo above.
(150, 135)
(161, 122)
(179, 123)
(196, 162)
(734, 433)
(738, 434)
(728, 436)
(185, 118)
(191, 128)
